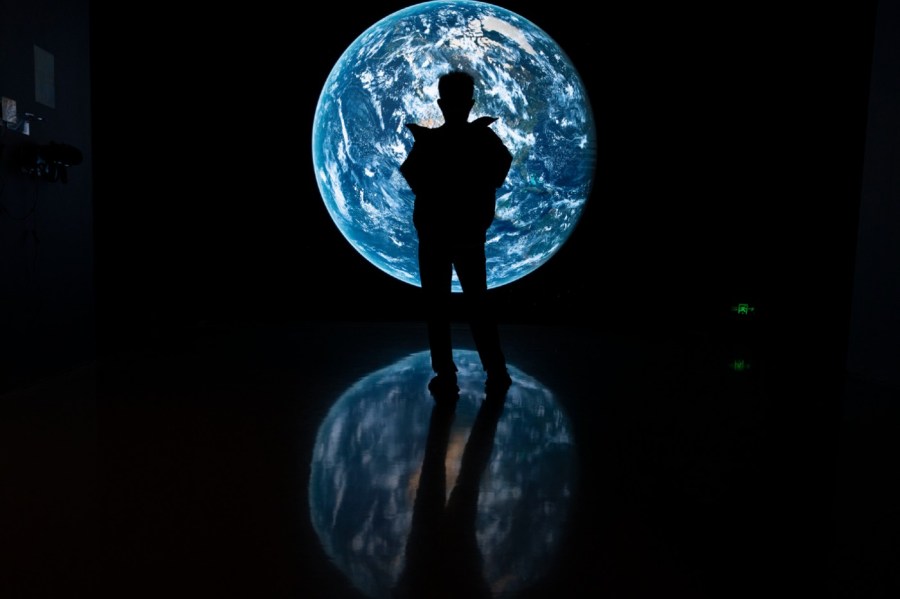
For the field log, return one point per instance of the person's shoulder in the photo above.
(484, 121)
(481, 129)
(418, 131)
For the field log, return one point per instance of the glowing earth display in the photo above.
(367, 466)
(388, 77)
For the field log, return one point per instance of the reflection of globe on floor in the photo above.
(388, 77)
(367, 471)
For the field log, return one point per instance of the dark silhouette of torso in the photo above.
(455, 171)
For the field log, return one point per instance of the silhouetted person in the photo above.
(454, 171)
(442, 555)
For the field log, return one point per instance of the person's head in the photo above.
(457, 96)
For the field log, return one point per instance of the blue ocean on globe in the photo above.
(388, 77)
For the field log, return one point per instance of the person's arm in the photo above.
(501, 162)
(499, 157)
(412, 168)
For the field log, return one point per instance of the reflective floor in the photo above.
(309, 460)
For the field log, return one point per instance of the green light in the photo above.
(740, 366)
(743, 309)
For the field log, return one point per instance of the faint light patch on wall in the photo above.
(44, 86)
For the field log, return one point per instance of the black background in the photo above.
(730, 143)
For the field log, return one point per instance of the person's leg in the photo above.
(471, 269)
(436, 272)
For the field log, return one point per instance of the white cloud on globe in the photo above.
(388, 77)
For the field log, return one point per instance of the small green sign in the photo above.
(740, 366)
(743, 309)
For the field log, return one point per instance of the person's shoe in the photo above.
(497, 382)
(443, 384)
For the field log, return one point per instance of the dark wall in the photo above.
(46, 229)
(874, 350)
(730, 148)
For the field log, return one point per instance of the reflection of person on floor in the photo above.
(442, 555)
(454, 171)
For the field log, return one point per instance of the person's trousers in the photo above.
(436, 263)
